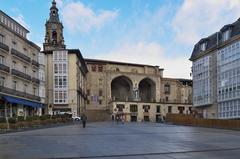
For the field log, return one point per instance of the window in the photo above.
(14, 86)
(180, 109)
(88, 92)
(34, 57)
(100, 102)
(1, 59)
(133, 108)
(35, 91)
(2, 80)
(158, 109)
(60, 81)
(100, 68)
(2, 39)
(167, 88)
(203, 46)
(100, 81)
(25, 69)
(2, 19)
(64, 69)
(14, 45)
(14, 64)
(166, 99)
(226, 35)
(25, 88)
(55, 68)
(25, 51)
(120, 107)
(146, 108)
(34, 74)
(169, 109)
(94, 68)
(60, 97)
(100, 92)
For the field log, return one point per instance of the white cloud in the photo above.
(196, 19)
(78, 17)
(149, 53)
(20, 19)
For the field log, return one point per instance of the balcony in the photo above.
(174, 101)
(4, 68)
(35, 80)
(20, 55)
(19, 93)
(4, 47)
(21, 74)
(35, 63)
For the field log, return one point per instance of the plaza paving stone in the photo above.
(131, 141)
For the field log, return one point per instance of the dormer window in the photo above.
(226, 35)
(203, 46)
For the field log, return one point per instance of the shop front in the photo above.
(14, 106)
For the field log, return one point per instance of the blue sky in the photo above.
(156, 32)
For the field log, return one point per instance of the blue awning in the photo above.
(23, 102)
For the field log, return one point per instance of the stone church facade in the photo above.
(134, 92)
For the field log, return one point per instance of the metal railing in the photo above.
(20, 55)
(19, 93)
(35, 80)
(4, 67)
(21, 74)
(35, 63)
(4, 46)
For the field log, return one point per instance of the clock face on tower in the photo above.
(54, 26)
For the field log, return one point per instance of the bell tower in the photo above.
(54, 31)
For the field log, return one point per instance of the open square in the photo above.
(129, 140)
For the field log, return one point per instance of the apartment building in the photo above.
(19, 69)
(216, 73)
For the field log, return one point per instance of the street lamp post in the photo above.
(6, 116)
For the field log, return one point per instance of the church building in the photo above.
(65, 70)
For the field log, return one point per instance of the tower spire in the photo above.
(54, 3)
(54, 30)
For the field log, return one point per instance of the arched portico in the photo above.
(147, 90)
(121, 88)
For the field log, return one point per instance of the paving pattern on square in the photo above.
(123, 141)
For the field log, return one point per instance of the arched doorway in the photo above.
(147, 90)
(121, 89)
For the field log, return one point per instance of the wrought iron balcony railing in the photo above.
(4, 68)
(21, 74)
(4, 46)
(35, 80)
(19, 93)
(35, 63)
(20, 55)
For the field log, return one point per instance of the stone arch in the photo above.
(54, 36)
(121, 88)
(147, 90)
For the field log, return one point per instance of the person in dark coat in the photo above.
(84, 120)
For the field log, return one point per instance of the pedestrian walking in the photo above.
(84, 120)
(113, 118)
(117, 118)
